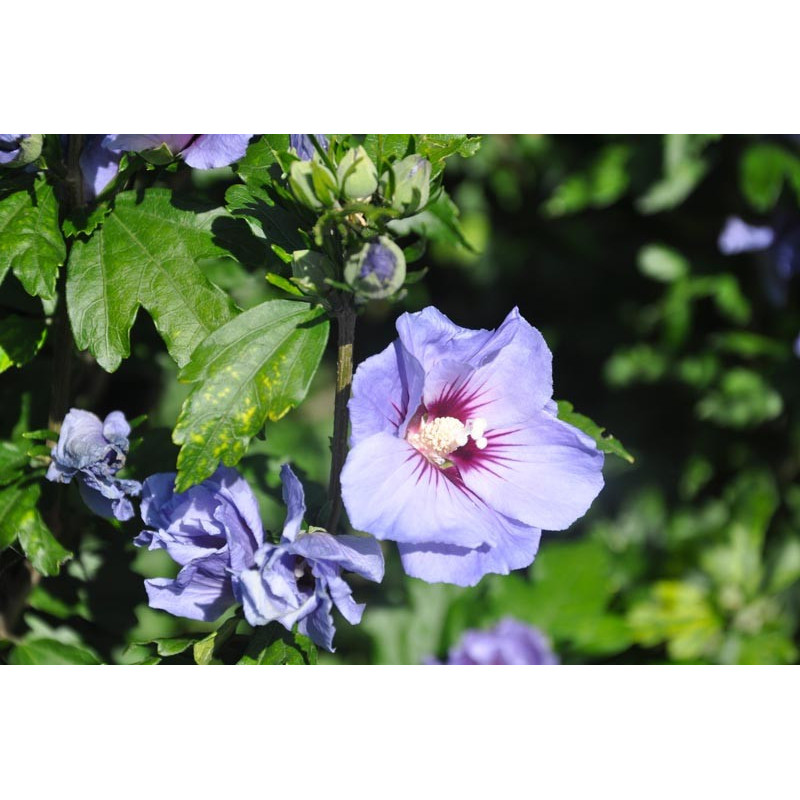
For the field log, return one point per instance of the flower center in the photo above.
(437, 438)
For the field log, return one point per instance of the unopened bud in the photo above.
(20, 149)
(377, 270)
(358, 176)
(408, 186)
(312, 184)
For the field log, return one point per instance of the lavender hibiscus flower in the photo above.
(299, 580)
(207, 530)
(508, 642)
(93, 452)
(457, 453)
(304, 147)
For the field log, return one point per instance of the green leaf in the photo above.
(608, 444)
(764, 170)
(145, 255)
(21, 338)
(679, 614)
(742, 399)
(684, 167)
(30, 239)
(601, 185)
(205, 649)
(390, 147)
(273, 225)
(19, 518)
(254, 168)
(257, 367)
(567, 597)
(287, 648)
(13, 460)
(437, 147)
(50, 651)
(172, 647)
(662, 263)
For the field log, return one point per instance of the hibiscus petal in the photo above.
(342, 596)
(318, 625)
(443, 563)
(359, 554)
(117, 507)
(212, 150)
(387, 390)
(139, 142)
(295, 499)
(201, 591)
(98, 166)
(393, 492)
(430, 336)
(544, 473)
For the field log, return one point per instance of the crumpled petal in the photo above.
(140, 142)
(295, 500)
(201, 591)
(359, 554)
(302, 144)
(508, 642)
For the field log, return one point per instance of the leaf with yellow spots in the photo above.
(254, 368)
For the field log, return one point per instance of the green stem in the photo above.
(346, 328)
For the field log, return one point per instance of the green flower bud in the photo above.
(358, 176)
(408, 187)
(309, 270)
(377, 270)
(313, 184)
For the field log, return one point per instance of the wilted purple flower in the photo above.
(94, 451)
(210, 530)
(457, 453)
(198, 150)
(299, 580)
(508, 642)
(301, 142)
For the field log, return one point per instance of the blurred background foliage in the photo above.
(608, 244)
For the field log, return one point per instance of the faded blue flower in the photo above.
(780, 244)
(93, 452)
(299, 580)
(302, 144)
(457, 453)
(211, 530)
(508, 642)
(198, 150)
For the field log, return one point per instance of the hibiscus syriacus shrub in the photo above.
(197, 516)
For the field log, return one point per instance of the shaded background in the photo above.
(609, 246)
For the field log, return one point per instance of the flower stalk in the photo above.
(346, 328)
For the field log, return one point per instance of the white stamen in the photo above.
(438, 438)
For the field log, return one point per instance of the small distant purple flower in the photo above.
(93, 452)
(299, 580)
(10, 144)
(780, 244)
(457, 453)
(211, 530)
(301, 142)
(508, 642)
(198, 150)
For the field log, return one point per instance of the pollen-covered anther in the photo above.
(439, 437)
